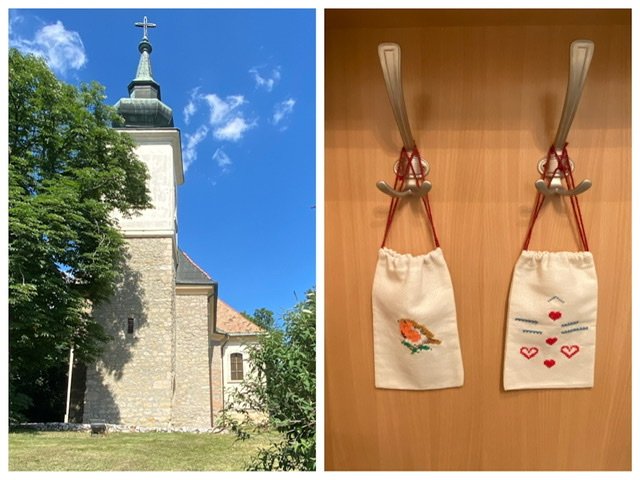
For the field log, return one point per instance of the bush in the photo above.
(281, 386)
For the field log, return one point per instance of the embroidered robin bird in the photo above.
(414, 332)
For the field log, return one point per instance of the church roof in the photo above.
(190, 273)
(144, 107)
(229, 320)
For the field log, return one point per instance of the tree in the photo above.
(68, 170)
(281, 384)
(262, 317)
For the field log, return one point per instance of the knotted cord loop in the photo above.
(407, 170)
(564, 167)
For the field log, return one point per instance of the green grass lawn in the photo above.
(79, 451)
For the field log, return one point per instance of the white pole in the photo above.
(66, 415)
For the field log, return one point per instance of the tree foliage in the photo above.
(68, 170)
(262, 317)
(281, 385)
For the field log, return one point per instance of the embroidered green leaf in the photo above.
(415, 348)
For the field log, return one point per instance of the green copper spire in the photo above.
(144, 66)
(144, 74)
(144, 107)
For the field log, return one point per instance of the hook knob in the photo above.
(555, 174)
(412, 190)
(542, 187)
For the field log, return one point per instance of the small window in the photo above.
(130, 325)
(236, 366)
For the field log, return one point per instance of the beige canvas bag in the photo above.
(551, 319)
(415, 333)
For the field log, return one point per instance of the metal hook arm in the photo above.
(581, 53)
(580, 60)
(390, 61)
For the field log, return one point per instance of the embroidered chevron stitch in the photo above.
(537, 332)
(555, 297)
(526, 320)
(569, 323)
(574, 329)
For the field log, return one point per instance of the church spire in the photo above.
(144, 75)
(144, 107)
(144, 66)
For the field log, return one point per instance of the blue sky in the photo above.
(241, 84)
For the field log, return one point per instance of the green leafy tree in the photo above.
(281, 387)
(262, 317)
(68, 170)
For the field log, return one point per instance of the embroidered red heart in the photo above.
(529, 352)
(569, 350)
(555, 315)
(551, 340)
(549, 363)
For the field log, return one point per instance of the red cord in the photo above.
(564, 166)
(401, 175)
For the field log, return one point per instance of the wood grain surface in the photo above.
(484, 91)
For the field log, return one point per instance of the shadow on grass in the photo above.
(24, 431)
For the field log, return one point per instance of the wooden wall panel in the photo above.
(484, 92)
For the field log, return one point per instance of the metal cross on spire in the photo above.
(145, 24)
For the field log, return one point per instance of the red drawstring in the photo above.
(405, 167)
(577, 213)
(564, 166)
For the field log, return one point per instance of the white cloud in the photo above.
(189, 153)
(14, 19)
(62, 49)
(266, 81)
(226, 122)
(233, 129)
(223, 160)
(189, 110)
(225, 116)
(219, 109)
(282, 110)
(191, 107)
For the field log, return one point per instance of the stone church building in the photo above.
(177, 348)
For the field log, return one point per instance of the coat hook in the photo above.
(414, 184)
(581, 55)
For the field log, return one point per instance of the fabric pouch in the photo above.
(551, 319)
(415, 333)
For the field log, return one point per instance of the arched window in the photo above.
(236, 366)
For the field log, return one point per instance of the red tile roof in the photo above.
(230, 321)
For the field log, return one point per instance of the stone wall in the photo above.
(192, 401)
(217, 381)
(133, 381)
(110, 427)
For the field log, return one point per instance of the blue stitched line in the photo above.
(569, 323)
(574, 329)
(537, 332)
(526, 320)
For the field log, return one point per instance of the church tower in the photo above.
(134, 381)
(176, 348)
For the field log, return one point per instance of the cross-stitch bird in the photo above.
(414, 332)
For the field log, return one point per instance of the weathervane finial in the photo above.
(145, 24)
